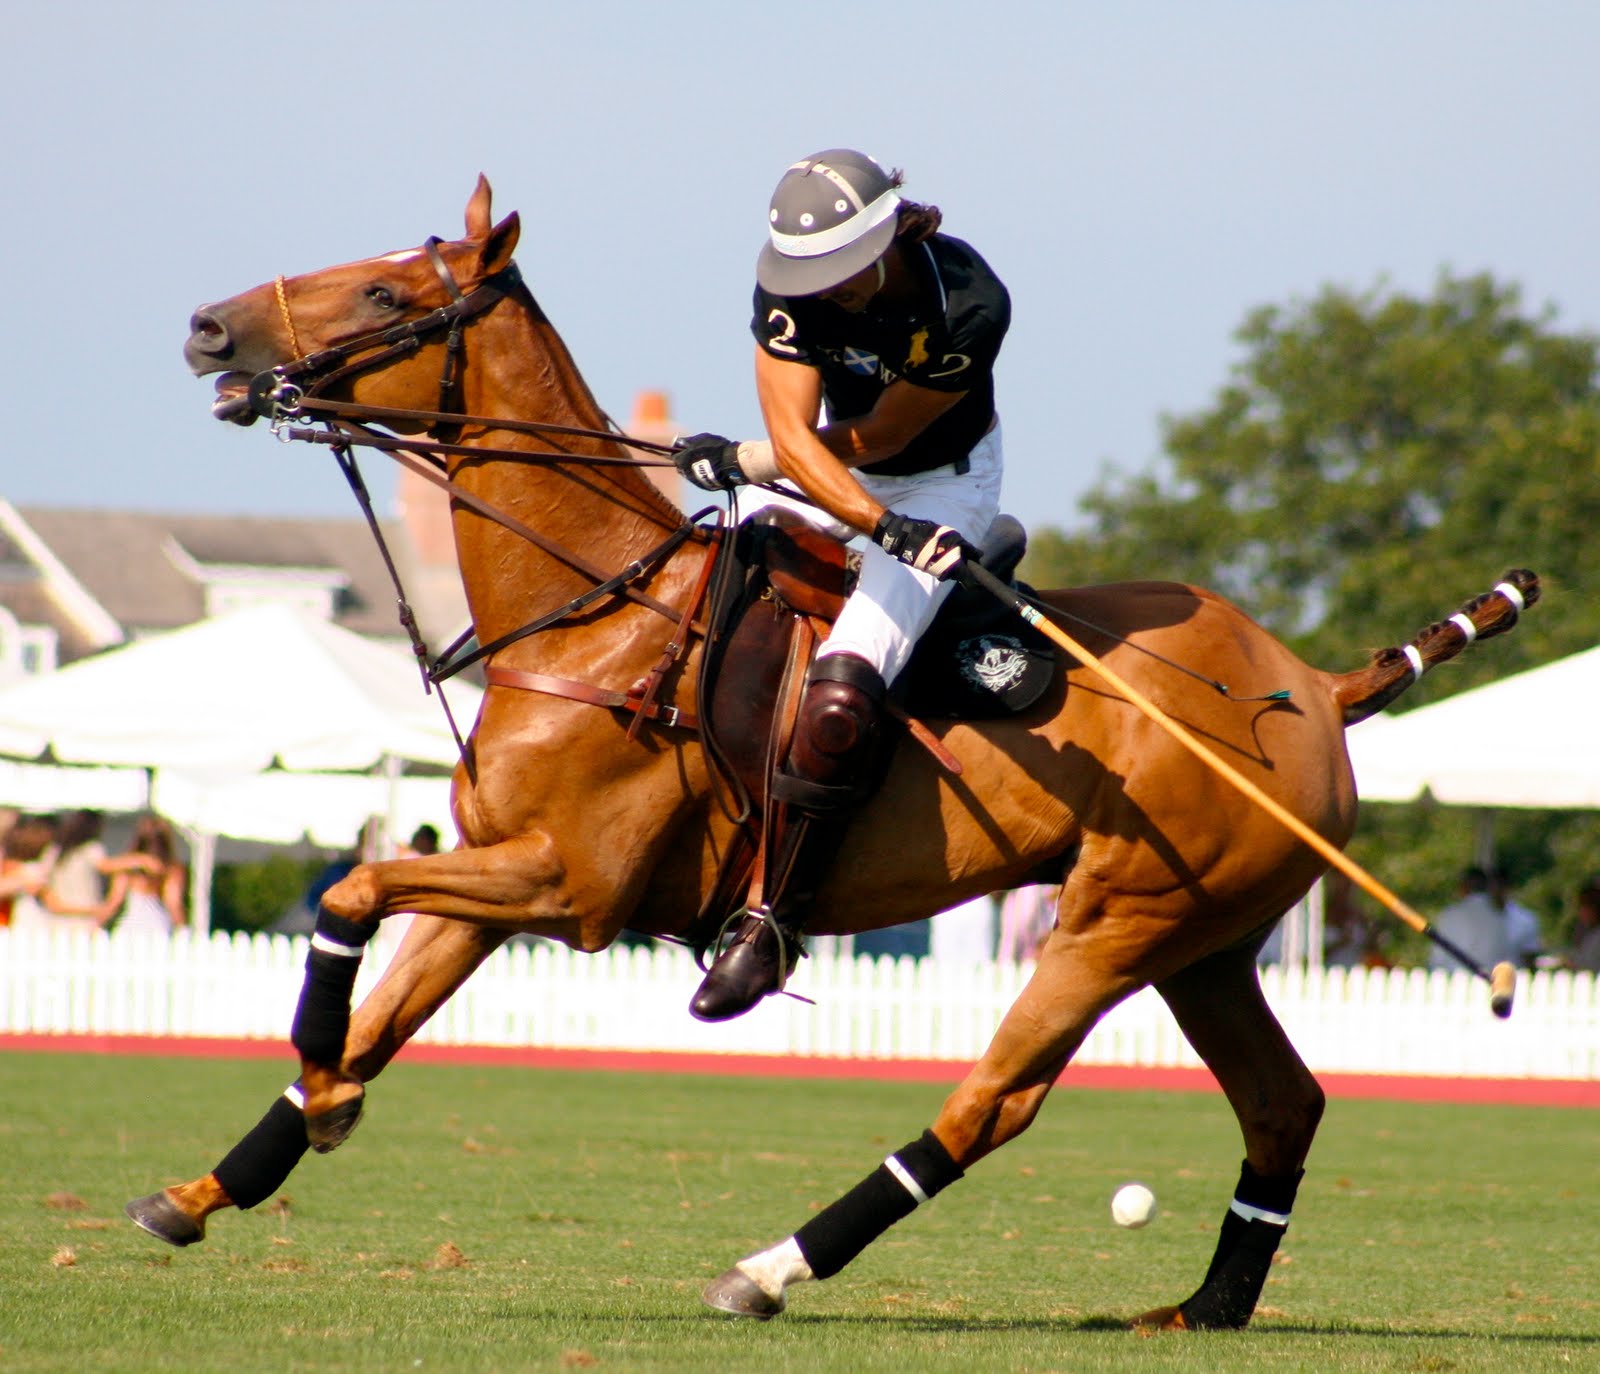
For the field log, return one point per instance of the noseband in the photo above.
(278, 393)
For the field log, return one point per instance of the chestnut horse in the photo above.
(573, 826)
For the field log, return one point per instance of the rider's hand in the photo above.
(709, 461)
(928, 547)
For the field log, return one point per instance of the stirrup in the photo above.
(788, 936)
(755, 965)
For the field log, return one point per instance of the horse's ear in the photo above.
(501, 244)
(478, 209)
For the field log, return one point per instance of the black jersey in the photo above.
(946, 339)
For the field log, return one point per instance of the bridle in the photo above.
(293, 390)
(287, 387)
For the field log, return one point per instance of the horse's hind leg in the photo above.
(1075, 983)
(435, 958)
(1220, 1007)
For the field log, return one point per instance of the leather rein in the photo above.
(290, 391)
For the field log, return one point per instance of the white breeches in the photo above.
(893, 603)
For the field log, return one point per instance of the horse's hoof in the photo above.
(165, 1220)
(736, 1293)
(1160, 1319)
(330, 1129)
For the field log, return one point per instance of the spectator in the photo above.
(1027, 916)
(1522, 925)
(340, 867)
(1474, 923)
(76, 892)
(26, 858)
(147, 881)
(1584, 952)
(1349, 939)
(424, 841)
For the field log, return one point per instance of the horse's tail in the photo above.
(1391, 671)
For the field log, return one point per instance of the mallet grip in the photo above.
(1502, 987)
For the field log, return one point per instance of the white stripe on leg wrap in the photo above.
(328, 946)
(906, 1181)
(1249, 1213)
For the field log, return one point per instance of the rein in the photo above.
(313, 406)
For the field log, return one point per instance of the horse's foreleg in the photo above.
(995, 1103)
(1219, 1005)
(503, 887)
(435, 958)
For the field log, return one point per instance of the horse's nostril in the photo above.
(208, 334)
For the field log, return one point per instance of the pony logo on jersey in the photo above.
(862, 363)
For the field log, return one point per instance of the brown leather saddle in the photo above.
(777, 589)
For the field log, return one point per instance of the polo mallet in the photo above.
(1502, 980)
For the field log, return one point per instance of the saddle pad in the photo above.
(979, 667)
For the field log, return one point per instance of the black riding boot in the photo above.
(828, 774)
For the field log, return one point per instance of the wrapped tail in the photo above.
(1368, 690)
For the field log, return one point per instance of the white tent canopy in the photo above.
(328, 809)
(266, 724)
(229, 696)
(1529, 740)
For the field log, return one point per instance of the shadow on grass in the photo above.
(929, 1324)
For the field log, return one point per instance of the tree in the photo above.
(1371, 460)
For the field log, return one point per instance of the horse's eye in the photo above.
(381, 297)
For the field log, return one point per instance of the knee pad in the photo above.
(839, 724)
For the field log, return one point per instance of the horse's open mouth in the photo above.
(233, 399)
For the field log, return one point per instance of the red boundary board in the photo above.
(1528, 1092)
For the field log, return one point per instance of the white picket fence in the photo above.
(1400, 1021)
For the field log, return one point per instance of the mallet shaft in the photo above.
(1503, 979)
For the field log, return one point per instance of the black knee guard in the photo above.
(257, 1166)
(895, 1189)
(322, 1018)
(1251, 1231)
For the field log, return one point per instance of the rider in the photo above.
(863, 306)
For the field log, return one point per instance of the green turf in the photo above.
(591, 1208)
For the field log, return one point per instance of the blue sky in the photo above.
(1141, 174)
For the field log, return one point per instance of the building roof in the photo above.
(148, 570)
(124, 560)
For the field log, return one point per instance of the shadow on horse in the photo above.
(585, 804)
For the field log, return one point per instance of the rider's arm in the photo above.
(817, 461)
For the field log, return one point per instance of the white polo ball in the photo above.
(1133, 1205)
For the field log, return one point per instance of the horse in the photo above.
(584, 807)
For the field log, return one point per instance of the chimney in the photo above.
(425, 512)
(652, 420)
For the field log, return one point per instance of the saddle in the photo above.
(778, 587)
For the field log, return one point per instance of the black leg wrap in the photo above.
(257, 1166)
(322, 1019)
(344, 932)
(1244, 1253)
(843, 1229)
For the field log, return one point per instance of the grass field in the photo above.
(510, 1219)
